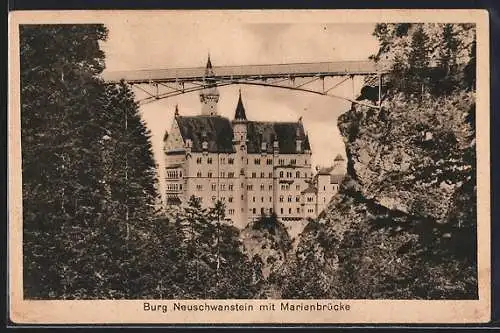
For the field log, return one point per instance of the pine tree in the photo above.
(61, 192)
(418, 61)
(88, 170)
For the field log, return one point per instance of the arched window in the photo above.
(297, 174)
(281, 173)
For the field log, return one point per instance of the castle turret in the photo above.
(240, 147)
(240, 122)
(209, 96)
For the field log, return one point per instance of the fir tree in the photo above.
(61, 191)
(418, 61)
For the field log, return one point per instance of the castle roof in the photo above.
(218, 133)
(335, 176)
(240, 110)
(339, 158)
(310, 189)
(283, 132)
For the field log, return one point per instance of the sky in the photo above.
(162, 43)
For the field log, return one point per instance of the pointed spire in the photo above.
(209, 63)
(208, 69)
(176, 113)
(339, 158)
(240, 109)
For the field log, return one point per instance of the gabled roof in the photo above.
(217, 131)
(310, 189)
(284, 132)
(325, 171)
(336, 179)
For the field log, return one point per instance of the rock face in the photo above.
(267, 243)
(403, 224)
(387, 151)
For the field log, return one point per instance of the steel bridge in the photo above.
(164, 83)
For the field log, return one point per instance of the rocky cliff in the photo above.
(400, 226)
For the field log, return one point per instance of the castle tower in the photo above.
(240, 147)
(209, 96)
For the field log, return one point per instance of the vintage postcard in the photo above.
(249, 167)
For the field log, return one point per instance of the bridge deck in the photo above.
(339, 68)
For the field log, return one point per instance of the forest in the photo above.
(403, 225)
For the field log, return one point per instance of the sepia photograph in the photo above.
(248, 166)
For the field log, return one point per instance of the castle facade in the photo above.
(255, 168)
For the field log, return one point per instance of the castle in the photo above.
(253, 167)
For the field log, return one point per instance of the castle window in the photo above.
(281, 174)
(281, 210)
(297, 199)
(253, 199)
(230, 160)
(269, 161)
(180, 174)
(254, 211)
(198, 174)
(298, 209)
(262, 175)
(297, 187)
(250, 187)
(297, 174)
(198, 160)
(281, 198)
(241, 185)
(270, 199)
(261, 199)
(262, 187)
(222, 174)
(254, 174)
(305, 174)
(289, 198)
(213, 198)
(242, 198)
(270, 175)
(230, 187)
(180, 186)
(223, 160)
(324, 188)
(199, 187)
(222, 187)
(281, 161)
(270, 187)
(214, 187)
(230, 174)
(293, 161)
(231, 211)
(209, 160)
(209, 175)
(230, 199)
(289, 211)
(256, 161)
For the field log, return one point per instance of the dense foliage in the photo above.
(401, 227)
(91, 226)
